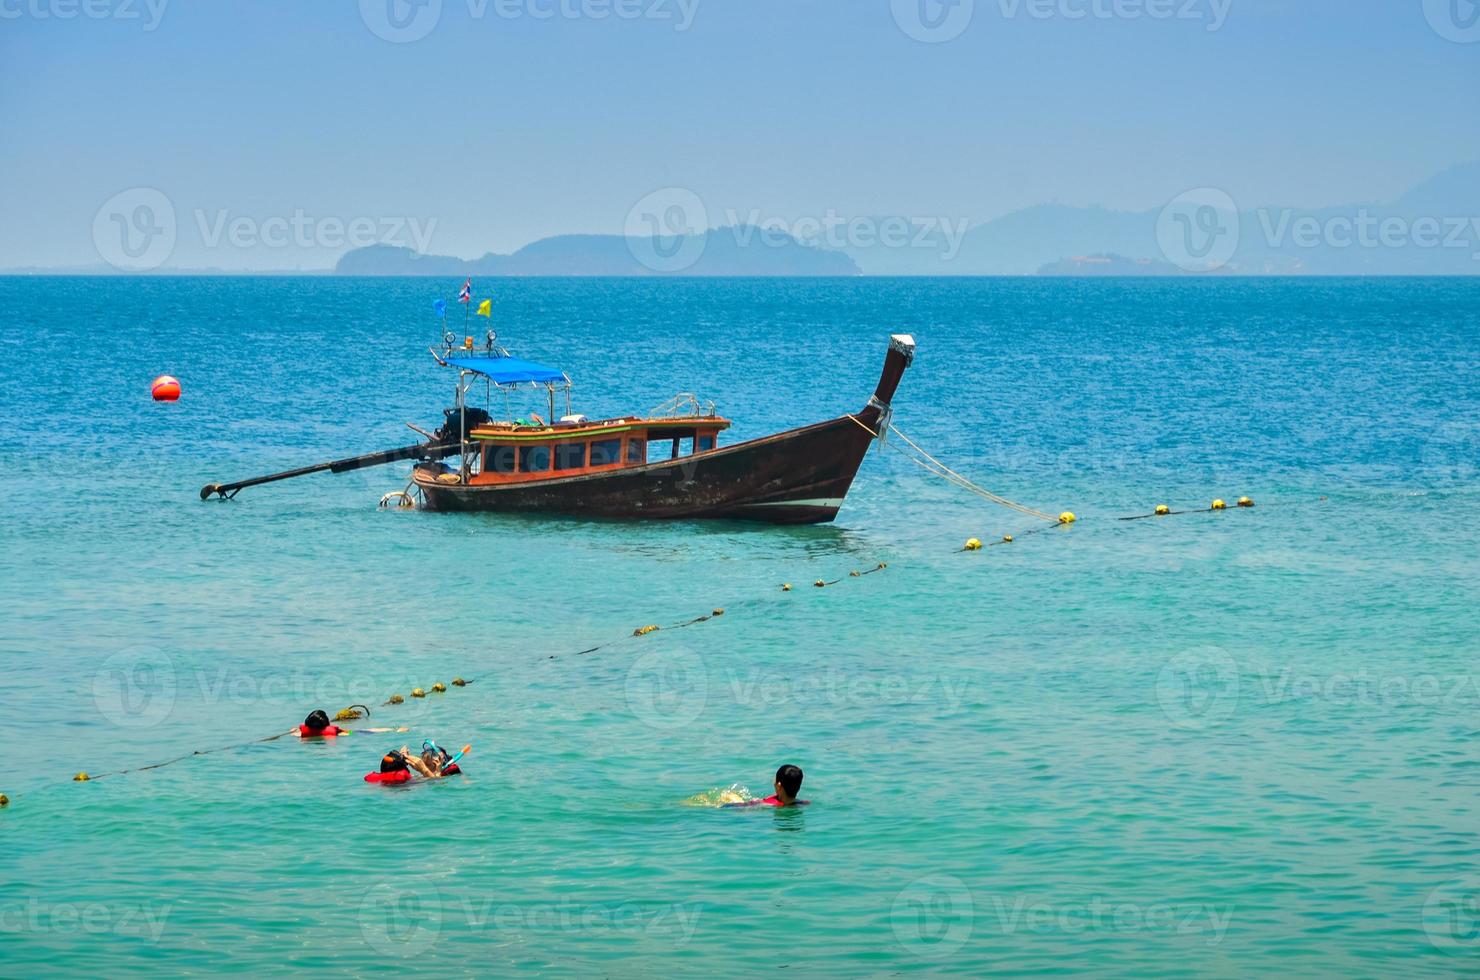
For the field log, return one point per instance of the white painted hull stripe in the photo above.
(832, 503)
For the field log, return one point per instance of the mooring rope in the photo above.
(930, 464)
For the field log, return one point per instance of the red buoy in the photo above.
(165, 389)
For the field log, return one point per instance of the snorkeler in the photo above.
(788, 785)
(434, 762)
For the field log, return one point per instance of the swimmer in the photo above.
(317, 725)
(433, 763)
(788, 785)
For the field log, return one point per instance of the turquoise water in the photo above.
(1213, 744)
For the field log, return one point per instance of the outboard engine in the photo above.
(451, 430)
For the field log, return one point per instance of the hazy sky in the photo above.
(476, 125)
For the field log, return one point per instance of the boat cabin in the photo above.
(512, 453)
(529, 450)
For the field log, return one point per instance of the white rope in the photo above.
(932, 465)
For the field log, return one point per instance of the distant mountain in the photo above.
(720, 252)
(1433, 229)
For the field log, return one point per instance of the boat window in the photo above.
(636, 450)
(499, 459)
(705, 443)
(570, 455)
(534, 459)
(605, 452)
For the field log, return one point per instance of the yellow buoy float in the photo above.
(459, 682)
(81, 777)
(1245, 502)
(1007, 539)
(439, 688)
(1067, 517)
(973, 544)
(1162, 510)
(1219, 505)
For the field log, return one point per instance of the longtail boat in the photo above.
(669, 463)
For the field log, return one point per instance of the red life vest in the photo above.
(305, 732)
(775, 801)
(404, 776)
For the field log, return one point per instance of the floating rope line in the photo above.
(642, 631)
(930, 464)
(356, 711)
(345, 714)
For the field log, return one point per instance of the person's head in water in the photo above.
(788, 783)
(393, 762)
(433, 755)
(316, 722)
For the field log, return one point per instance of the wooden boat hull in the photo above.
(801, 476)
(797, 477)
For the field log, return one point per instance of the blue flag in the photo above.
(440, 308)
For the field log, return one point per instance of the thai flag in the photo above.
(466, 296)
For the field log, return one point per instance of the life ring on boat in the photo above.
(405, 500)
(449, 338)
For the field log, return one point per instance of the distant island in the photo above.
(720, 252)
(1431, 230)
(1107, 265)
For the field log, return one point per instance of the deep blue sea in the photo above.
(1214, 744)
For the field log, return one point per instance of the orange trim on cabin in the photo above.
(526, 456)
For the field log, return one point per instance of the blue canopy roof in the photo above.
(508, 370)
